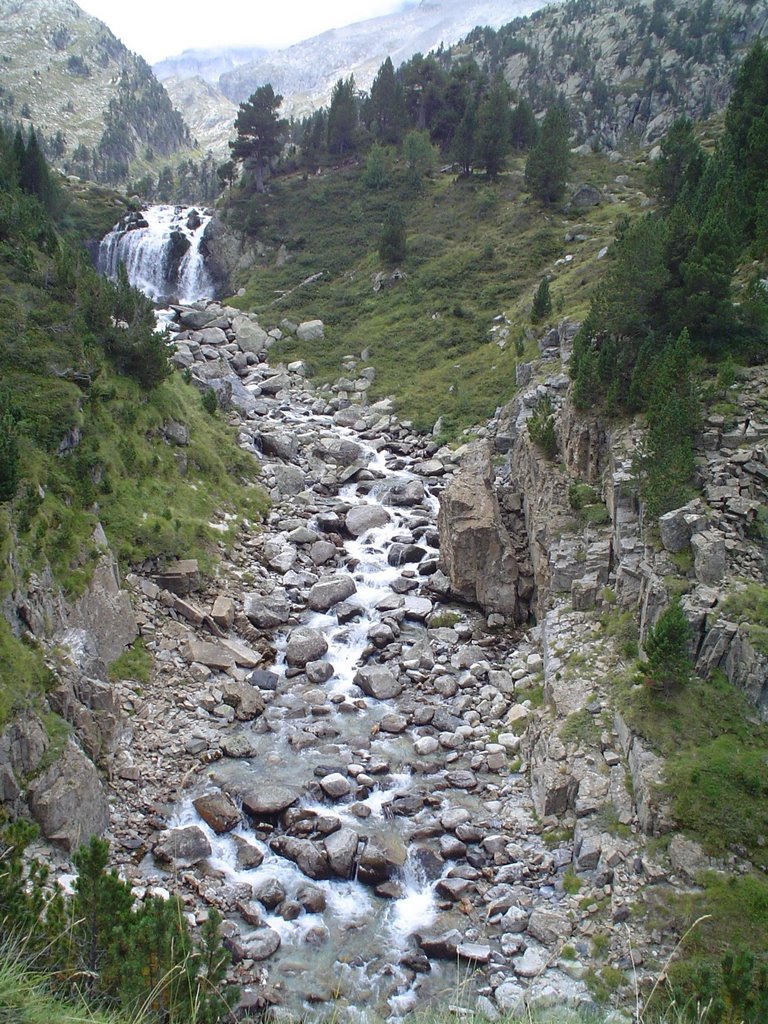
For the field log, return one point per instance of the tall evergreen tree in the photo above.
(465, 139)
(493, 129)
(523, 128)
(343, 117)
(385, 107)
(259, 131)
(546, 169)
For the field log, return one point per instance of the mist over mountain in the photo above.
(306, 72)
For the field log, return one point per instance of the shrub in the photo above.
(542, 302)
(541, 427)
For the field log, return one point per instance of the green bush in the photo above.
(669, 662)
(541, 427)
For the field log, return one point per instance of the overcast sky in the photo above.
(162, 28)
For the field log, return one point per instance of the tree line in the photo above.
(456, 108)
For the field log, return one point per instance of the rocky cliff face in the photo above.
(626, 69)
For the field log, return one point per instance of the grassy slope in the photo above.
(155, 500)
(476, 250)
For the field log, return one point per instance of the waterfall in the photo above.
(161, 251)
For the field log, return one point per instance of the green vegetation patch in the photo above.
(24, 676)
(134, 663)
(750, 606)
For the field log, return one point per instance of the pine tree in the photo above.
(669, 662)
(10, 456)
(392, 244)
(523, 128)
(664, 463)
(542, 302)
(546, 169)
(465, 139)
(343, 117)
(493, 129)
(259, 132)
(385, 108)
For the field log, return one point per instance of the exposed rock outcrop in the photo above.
(475, 547)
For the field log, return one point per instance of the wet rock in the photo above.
(182, 846)
(248, 856)
(440, 946)
(309, 857)
(462, 779)
(322, 551)
(402, 493)
(250, 911)
(218, 811)
(377, 865)
(318, 672)
(335, 785)
(341, 848)
(311, 899)
(476, 952)
(402, 554)
(269, 892)
(238, 745)
(378, 682)
(330, 591)
(304, 645)
(269, 801)
(362, 518)
(264, 679)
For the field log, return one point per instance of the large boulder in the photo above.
(309, 857)
(378, 682)
(362, 518)
(68, 800)
(219, 811)
(305, 644)
(330, 591)
(475, 547)
(311, 330)
(182, 846)
(267, 611)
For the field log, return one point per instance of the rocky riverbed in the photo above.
(329, 751)
(394, 798)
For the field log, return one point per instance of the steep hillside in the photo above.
(101, 110)
(625, 68)
(207, 111)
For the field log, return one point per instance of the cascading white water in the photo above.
(161, 251)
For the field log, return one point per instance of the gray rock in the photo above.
(311, 330)
(549, 927)
(267, 611)
(183, 846)
(261, 944)
(510, 998)
(709, 556)
(269, 801)
(68, 800)
(304, 645)
(335, 785)
(378, 682)
(330, 591)
(362, 518)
